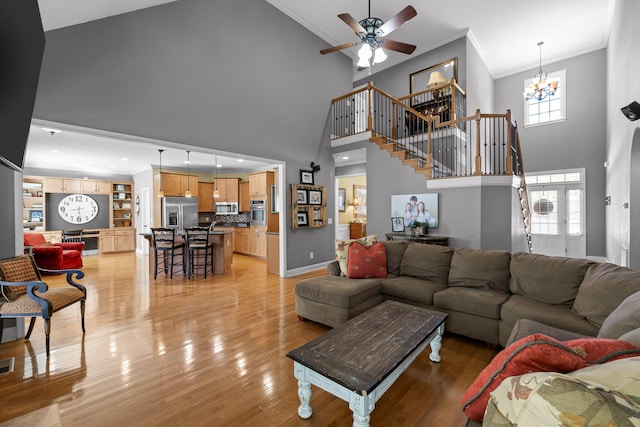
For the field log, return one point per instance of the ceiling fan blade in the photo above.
(398, 46)
(336, 48)
(350, 21)
(400, 18)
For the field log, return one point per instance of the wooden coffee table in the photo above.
(359, 360)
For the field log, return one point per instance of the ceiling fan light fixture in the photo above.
(379, 56)
(365, 52)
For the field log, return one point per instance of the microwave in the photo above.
(226, 207)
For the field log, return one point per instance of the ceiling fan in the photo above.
(372, 33)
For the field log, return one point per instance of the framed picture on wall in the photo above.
(342, 196)
(301, 197)
(303, 218)
(306, 177)
(315, 197)
(440, 73)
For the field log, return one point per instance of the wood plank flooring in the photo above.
(204, 353)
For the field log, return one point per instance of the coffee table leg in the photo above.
(304, 390)
(435, 344)
(361, 406)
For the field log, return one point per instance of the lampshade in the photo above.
(365, 51)
(356, 201)
(436, 78)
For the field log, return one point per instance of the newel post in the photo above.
(509, 159)
(478, 170)
(369, 106)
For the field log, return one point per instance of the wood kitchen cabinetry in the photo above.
(205, 197)
(259, 184)
(176, 185)
(62, 185)
(228, 189)
(258, 241)
(122, 200)
(117, 240)
(242, 240)
(95, 187)
(244, 197)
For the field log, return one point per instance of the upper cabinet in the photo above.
(95, 187)
(259, 184)
(205, 197)
(228, 189)
(244, 197)
(62, 185)
(176, 185)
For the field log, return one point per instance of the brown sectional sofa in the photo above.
(484, 292)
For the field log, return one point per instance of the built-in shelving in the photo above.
(32, 204)
(123, 206)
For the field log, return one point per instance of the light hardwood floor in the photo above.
(204, 353)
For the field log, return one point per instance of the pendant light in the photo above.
(216, 193)
(188, 192)
(160, 192)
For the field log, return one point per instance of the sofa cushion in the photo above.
(554, 280)
(604, 287)
(535, 353)
(623, 319)
(487, 269)
(519, 307)
(342, 250)
(337, 291)
(431, 262)
(366, 262)
(395, 253)
(632, 336)
(479, 302)
(411, 289)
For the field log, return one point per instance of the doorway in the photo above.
(557, 213)
(634, 203)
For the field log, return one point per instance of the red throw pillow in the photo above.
(366, 262)
(538, 353)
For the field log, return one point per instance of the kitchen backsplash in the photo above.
(236, 218)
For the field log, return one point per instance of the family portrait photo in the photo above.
(416, 208)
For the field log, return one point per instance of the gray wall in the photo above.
(238, 76)
(623, 86)
(578, 142)
(479, 78)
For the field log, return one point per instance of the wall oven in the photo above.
(258, 212)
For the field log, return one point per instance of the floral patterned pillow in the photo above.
(342, 250)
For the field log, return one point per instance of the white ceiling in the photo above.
(505, 33)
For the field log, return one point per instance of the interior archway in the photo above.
(634, 202)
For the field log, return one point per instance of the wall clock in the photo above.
(78, 208)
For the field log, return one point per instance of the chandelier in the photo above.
(540, 87)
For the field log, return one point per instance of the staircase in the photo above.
(431, 138)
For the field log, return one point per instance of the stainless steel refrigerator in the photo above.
(179, 212)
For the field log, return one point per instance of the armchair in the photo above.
(53, 256)
(24, 294)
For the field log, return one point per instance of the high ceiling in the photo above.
(504, 32)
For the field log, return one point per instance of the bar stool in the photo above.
(199, 250)
(164, 247)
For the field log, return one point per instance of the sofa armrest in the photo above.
(47, 251)
(526, 327)
(333, 268)
(74, 246)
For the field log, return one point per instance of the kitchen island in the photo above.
(222, 250)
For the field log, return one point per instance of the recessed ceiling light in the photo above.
(240, 160)
(124, 159)
(54, 151)
(218, 165)
(345, 157)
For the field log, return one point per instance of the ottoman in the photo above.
(332, 300)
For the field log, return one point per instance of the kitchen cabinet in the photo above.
(62, 185)
(228, 189)
(122, 204)
(205, 197)
(242, 240)
(117, 240)
(176, 185)
(259, 184)
(95, 187)
(258, 241)
(273, 252)
(245, 206)
(231, 236)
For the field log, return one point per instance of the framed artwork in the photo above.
(306, 177)
(302, 197)
(303, 218)
(342, 196)
(416, 208)
(127, 215)
(315, 197)
(120, 187)
(360, 191)
(316, 215)
(397, 224)
(419, 80)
